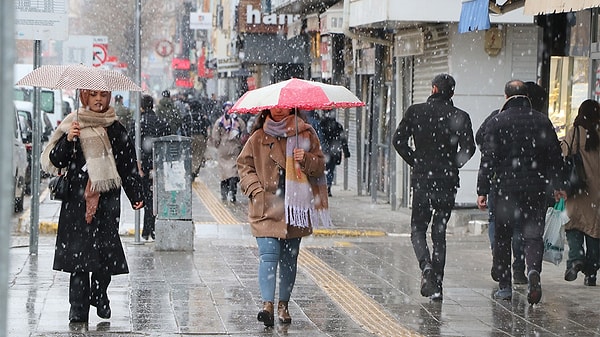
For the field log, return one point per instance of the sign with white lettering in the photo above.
(253, 20)
(200, 20)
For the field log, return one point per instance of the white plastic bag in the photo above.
(554, 233)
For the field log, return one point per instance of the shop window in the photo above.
(569, 86)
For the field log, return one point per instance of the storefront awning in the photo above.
(534, 7)
(474, 16)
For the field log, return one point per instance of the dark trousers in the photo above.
(517, 239)
(149, 217)
(432, 203)
(330, 171)
(526, 211)
(229, 185)
(83, 293)
(589, 257)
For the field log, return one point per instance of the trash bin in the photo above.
(173, 193)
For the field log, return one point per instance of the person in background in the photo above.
(520, 154)
(583, 209)
(283, 174)
(334, 143)
(99, 159)
(196, 125)
(443, 143)
(167, 111)
(124, 114)
(151, 127)
(227, 135)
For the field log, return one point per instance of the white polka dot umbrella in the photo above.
(296, 93)
(78, 76)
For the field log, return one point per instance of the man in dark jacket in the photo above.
(443, 143)
(151, 127)
(333, 144)
(195, 124)
(519, 155)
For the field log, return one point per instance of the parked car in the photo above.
(19, 165)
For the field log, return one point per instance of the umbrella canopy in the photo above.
(296, 93)
(78, 76)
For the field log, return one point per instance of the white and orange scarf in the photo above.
(306, 202)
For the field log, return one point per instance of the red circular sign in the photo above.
(100, 55)
(164, 48)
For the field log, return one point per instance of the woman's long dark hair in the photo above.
(260, 120)
(588, 117)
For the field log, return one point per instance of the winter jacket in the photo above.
(333, 140)
(442, 136)
(228, 143)
(520, 150)
(260, 163)
(584, 209)
(151, 127)
(83, 247)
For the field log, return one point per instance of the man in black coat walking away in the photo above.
(333, 143)
(151, 127)
(443, 143)
(519, 155)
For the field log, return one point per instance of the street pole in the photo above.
(34, 207)
(7, 125)
(135, 102)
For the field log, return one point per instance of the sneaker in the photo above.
(503, 294)
(519, 277)
(437, 296)
(590, 280)
(428, 287)
(571, 273)
(534, 287)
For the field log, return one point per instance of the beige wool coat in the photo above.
(258, 165)
(584, 209)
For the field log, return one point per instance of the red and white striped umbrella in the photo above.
(78, 76)
(296, 93)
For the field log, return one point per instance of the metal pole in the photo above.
(7, 125)
(135, 102)
(35, 158)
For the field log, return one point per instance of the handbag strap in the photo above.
(575, 134)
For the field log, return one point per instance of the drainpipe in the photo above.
(353, 35)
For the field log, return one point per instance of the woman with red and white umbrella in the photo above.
(282, 171)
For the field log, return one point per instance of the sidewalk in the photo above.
(347, 286)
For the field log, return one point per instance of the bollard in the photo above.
(172, 196)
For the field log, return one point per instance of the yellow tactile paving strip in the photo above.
(213, 205)
(360, 307)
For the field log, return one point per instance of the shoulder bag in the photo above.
(58, 186)
(576, 176)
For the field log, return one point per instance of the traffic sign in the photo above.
(100, 54)
(164, 48)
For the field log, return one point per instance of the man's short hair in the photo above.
(514, 88)
(118, 98)
(445, 84)
(147, 102)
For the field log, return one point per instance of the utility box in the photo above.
(172, 195)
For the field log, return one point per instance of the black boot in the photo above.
(98, 296)
(79, 297)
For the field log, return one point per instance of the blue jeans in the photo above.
(273, 252)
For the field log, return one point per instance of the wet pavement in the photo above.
(363, 284)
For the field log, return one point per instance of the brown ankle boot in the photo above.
(266, 314)
(283, 313)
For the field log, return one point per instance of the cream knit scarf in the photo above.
(306, 202)
(96, 147)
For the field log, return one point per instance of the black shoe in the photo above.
(534, 287)
(519, 277)
(571, 273)
(103, 309)
(438, 295)
(145, 237)
(153, 235)
(329, 191)
(590, 280)
(428, 286)
(77, 315)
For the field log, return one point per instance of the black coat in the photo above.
(442, 136)
(520, 151)
(151, 127)
(333, 140)
(84, 247)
